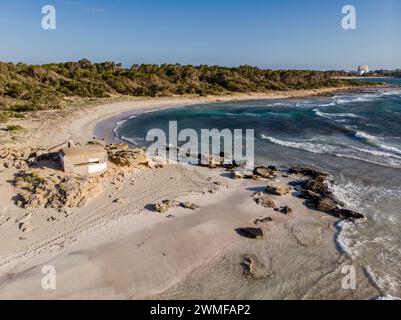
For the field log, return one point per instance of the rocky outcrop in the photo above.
(278, 190)
(253, 268)
(286, 210)
(317, 194)
(25, 158)
(189, 205)
(122, 156)
(55, 192)
(163, 206)
(261, 199)
(307, 171)
(262, 220)
(266, 172)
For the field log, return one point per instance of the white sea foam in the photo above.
(337, 151)
(365, 136)
(121, 123)
(306, 146)
(132, 140)
(388, 148)
(364, 98)
(373, 140)
(377, 153)
(335, 115)
(327, 104)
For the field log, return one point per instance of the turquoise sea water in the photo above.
(356, 137)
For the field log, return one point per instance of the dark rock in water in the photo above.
(347, 214)
(319, 185)
(252, 233)
(310, 172)
(286, 210)
(326, 204)
(316, 191)
(308, 194)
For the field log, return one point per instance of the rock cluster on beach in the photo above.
(315, 189)
(123, 156)
(312, 185)
(165, 205)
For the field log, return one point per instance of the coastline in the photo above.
(47, 129)
(119, 228)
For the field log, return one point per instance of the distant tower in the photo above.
(363, 69)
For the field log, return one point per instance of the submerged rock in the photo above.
(308, 235)
(326, 204)
(306, 171)
(317, 193)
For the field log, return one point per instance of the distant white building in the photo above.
(363, 70)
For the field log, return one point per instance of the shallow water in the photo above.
(355, 137)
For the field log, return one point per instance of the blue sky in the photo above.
(304, 34)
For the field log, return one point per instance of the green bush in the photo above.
(14, 128)
(25, 107)
(26, 88)
(3, 117)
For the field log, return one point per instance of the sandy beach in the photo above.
(115, 247)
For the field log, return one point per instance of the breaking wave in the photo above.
(335, 115)
(374, 141)
(381, 158)
(306, 146)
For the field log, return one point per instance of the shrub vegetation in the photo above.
(25, 88)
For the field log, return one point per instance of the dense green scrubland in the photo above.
(25, 88)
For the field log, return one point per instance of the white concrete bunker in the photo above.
(89, 159)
